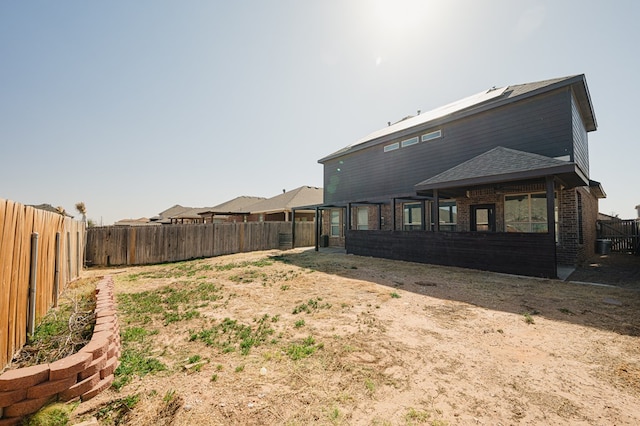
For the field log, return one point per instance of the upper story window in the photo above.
(411, 216)
(409, 142)
(432, 135)
(392, 147)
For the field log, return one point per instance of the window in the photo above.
(432, 135)
(362, 218)
(448, 212)
(483, 218)
(411, 216)
(409, 142)
(527, 212)
(335, 223)
(392, 147)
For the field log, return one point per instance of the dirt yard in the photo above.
(381, 343)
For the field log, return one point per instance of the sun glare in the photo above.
(401, 15)
(395, 26)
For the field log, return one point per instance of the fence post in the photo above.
(33, 275)
(78, 253)
(56, 274)
(68, 257)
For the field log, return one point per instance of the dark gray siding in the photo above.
(514, 253)
(540, 125)
(580, 139)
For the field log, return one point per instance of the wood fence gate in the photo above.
(623, 234)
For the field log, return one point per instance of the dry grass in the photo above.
(300, 337)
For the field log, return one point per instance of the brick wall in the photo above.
(24, 391)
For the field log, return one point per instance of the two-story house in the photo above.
(496, 181)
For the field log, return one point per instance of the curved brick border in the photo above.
(82, 375)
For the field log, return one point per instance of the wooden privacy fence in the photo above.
(123, 245)
(623, 234)
(49, 262)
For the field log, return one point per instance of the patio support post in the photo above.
(393, 215)
(293, 228)
(380, 216)
(423, 214)
(347, 221)
(318, 229)
(551, 216)
(435, 213)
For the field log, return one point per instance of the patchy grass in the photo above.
(308, 338)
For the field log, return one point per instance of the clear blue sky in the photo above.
(134, 106)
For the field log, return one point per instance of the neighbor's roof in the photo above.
(143, 221)
(303, 196)
(237, 205)
(172, 211)
(479, 102)
(503, 165)
(50, 208)
(190, 213)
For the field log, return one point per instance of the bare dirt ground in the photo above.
(397, 344)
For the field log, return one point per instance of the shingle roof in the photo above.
(172, 211)
(299, 197)
(484, 100)
(190, 213)
(237, 205)
(50, 208)
(498, 165)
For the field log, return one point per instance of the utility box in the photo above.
(603, 246)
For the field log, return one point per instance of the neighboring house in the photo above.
(496, 181)
(179, 215)
(603, 216)
(143, 221)
(50, 208)
(190, 215)
(281, 207)
(165, 216)
(235, 210)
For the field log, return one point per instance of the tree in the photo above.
(82, 209)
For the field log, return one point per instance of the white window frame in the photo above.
(431, 135)
(408, 142)
(334, 225)
(392, 147)
(362, 218)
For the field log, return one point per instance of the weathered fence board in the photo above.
(115, 245)
(17, 224)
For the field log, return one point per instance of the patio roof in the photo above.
(502, 165)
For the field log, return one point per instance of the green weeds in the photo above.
(307, 347)
(230, 335)
(311, 305)
(167, 303)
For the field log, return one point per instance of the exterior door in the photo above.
(483, 218)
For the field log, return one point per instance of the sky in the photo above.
(134, 106)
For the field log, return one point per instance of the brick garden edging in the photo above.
(83, 375)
